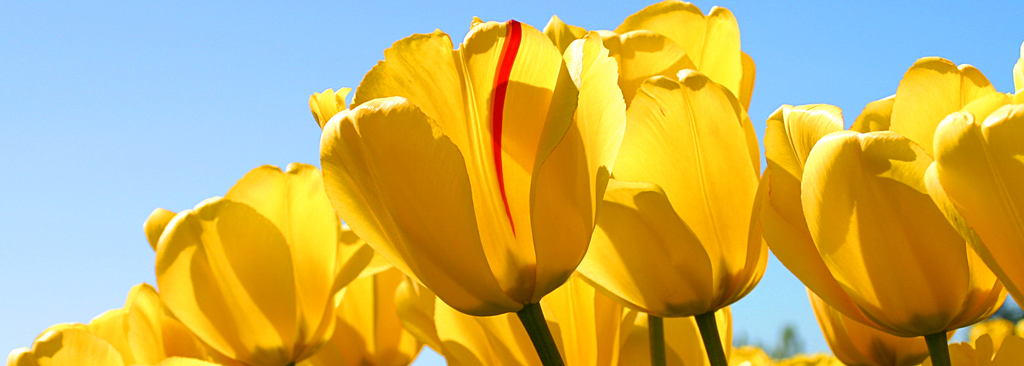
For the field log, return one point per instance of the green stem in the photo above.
(533, 320)
(656, 332)
(938, 347)
(708, 327)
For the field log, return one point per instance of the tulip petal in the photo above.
(143, 315)
(112, 327)
(746, 90)
(699, 128)
(480, 341)
(854, 343)
(721, 59)
(641, 54)
(979, 167)
(872, 221)
(21, 357)
(415, 306)
(641, 248)
(683, 343)
(1018, 71)
(74, 347)
(572, 180)
(682, 22)
(931, 89)
(327, 104)
(369, 169)
(226, 272)
(181, 361)
(876, 116)
(155, 224)
(586, 322)
(562, 34)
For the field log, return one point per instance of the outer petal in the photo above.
(747, 83)
(369, 331)
(414, 304)
(790, 135)
(21, 357)
(327, 104)
(684, 346)
(562, 34)
(930, 90)
(586, 323)
(74, 347)
(143, 317)
(479, 341)
(854, 343)
(570, 183)
(155, 224)
(979, 167)
(881, 236)
(1018, 71)
(226, 272)
(409, 196)
(698, 128)
(641, 54)
(998, 328)
(181, 361)
(876, 116)
(721, 60)
(645, 255)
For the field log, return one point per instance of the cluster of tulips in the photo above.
(591, 198)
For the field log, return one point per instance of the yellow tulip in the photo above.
(1018, 72)
(328, 104)
(978, 167)
(255, 274)
(588, 328)
(749, 356)
(810, 360)
(369, 332)
(683, 344)
(478, 171)
(856, 344)
(665, 38)
(981, 352)
(997, 329)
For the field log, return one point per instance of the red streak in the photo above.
(513, 36)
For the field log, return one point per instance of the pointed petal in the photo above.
(562, 34)
(979, 167)
(645, 255)
(698, 127)
(74, 347)
(931, 89)
(871, 219)
(327, 104)
(1018, 71)
(572, 180)
(876, 116)
(642, 54)
(112, 327)
(226, 272)
(681, 22)
(143, 316)
(414, 206)
(747, 83)
(155, 224)
(721, 60)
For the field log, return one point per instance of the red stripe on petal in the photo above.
(513, 37)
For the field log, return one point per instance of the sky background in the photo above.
(111, 109)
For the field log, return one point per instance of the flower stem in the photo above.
(708, 327)
(938, 347)
(656, 332)
(533, 320)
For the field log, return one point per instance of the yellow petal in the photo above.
(749, 356)
(854, 343)
(721, 59)
(997, 328)
(682, 22)
(21, 357)
(790, 135)
(931, 89)
(143, 317)
(74, 347)
(112, 327)
(562, 34)
(181, 361)
(226, 272)
(480, 341)
(644, 254)
(642, 54)
(368, 330)
(683, 342)
(979, 168)
(1018, 71)
(414, 206)
(1011, 352)
(747, 83)
(876, 116)
(697, 127)
(294, 200)
(586, 323)
(415, 306)
(872, 221)
(572, 180)
(327, 104)
(155, 224)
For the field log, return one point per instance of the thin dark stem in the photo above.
(656, 332)
(708, 327)
(938, 347)
(533, 320)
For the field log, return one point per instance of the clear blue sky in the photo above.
(109, 110)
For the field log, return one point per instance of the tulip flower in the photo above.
(856, 344)
(749, 356)
(676, 237)
(683, 344)
(588, 328)
(665, 38)
(369, 332)
(982, 352)
(997, 329)
(255, 274)
(978, 168)
(478, 171)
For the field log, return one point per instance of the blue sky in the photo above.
(110, 109)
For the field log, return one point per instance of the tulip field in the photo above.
(548, 194)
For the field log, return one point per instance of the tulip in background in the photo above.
(683, 343)
(256, 274)
(983, 352)
(856, 344)
(997, 330)
(479, 171)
